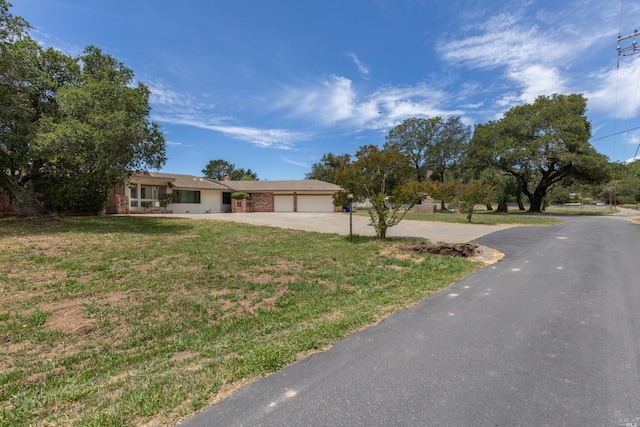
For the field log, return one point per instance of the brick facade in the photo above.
(118, 205)
(241, 206)
(262, 202)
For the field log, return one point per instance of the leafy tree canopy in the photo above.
(219, 169)
(383, 178)
(434, 145)
(540, 145)
(325, 169)
(70, 128)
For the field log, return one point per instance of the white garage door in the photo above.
(315, 203)
(283, 203)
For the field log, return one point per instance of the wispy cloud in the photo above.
(334, 101)
(618, 90)
(161, 95)
(184, 109)
(536, 61)
(362, 69)
(264, 138)
(176, 144)
(47, 40)
(295, 163)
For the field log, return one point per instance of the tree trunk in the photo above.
(519, 200)
(29, 205)
(536, 203)
(26, 199)
(502, 206)
(489, 207)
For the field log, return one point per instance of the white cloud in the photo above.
(295, 163)
(161, 95)
(532, 48)
(362, 69)
(617, 92)
(334, 101)
(264, 138)
(175, 144)
(536, 80)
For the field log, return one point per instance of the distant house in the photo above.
(143, 193)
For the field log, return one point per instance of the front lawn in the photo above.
(115, 321)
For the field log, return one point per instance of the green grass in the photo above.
(484, 217)
(479, 217)
(116, 321)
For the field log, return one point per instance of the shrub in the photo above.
(240, 195)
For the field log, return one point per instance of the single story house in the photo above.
(146, 192)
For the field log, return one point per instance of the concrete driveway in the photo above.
(338, 223)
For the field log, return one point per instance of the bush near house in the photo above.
(238, 195)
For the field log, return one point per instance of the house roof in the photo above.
(179, 181)
(300, 185)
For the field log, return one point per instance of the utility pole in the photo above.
(631, 49)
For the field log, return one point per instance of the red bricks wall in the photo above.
(241, 206)
(262, 202)
(118, 204)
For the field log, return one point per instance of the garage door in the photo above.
(322, 203)
(283, 203)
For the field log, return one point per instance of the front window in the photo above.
(187, 196)
(152, 192)
(226, 198)
(133, 188)
(145, 196)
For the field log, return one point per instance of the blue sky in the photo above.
(274, 85)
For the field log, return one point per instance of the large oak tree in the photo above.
(540, 145)
(70, 128)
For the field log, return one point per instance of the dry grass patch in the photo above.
(142, 321)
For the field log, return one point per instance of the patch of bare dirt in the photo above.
(487, 255)
(68, 315)
(183, 355)
(464, 250)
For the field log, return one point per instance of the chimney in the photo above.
(227, 178)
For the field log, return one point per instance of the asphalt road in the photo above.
(549, 336)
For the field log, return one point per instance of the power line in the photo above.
(628, 50)
(614, 134)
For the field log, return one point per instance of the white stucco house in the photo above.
(143, 193)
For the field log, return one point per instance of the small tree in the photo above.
(382, 178)
(446, 192)
(167, 198)
(474, 193)
(341, 198)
